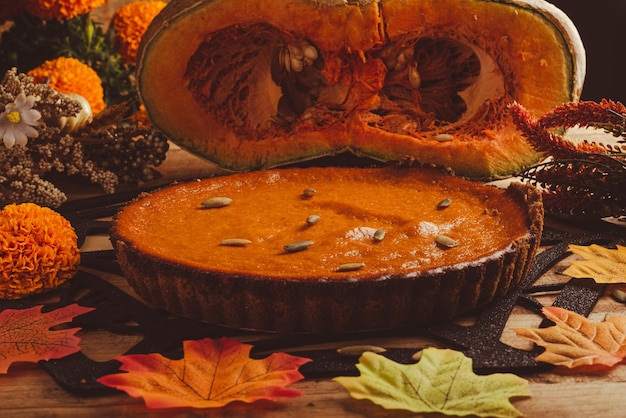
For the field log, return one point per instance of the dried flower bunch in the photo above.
(68, 102)
(104, 151)
(586, 179)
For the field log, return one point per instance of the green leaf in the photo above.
(443, 382)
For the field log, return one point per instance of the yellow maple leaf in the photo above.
(601, 264)
(576, 342)
(443, 381)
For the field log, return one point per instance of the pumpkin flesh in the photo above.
(390, 79)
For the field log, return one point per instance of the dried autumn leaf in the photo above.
(26, 335)
(576, 342)
(601, 264)
(212, 373)
(442, 382)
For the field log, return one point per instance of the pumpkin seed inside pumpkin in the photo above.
(443, 137)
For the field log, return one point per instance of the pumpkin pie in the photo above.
(328, 249)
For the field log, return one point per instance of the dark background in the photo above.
(602, 27)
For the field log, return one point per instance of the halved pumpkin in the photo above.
(253, 84)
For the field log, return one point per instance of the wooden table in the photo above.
(28, 391)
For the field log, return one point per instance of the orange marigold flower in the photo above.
(61, 9)
(130, 22)
(141, 116)
(69, 75)
(38, 250)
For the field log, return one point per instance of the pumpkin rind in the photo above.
(207, 75)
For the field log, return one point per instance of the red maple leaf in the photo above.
(26, 335)
(212, 373)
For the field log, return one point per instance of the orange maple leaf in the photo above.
(576, 342)
(212, 373)
(26, 335)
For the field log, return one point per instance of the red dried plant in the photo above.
(579, 180)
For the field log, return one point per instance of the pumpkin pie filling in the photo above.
(269, 209)
(368, 225)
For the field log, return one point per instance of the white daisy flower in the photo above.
(18, 120)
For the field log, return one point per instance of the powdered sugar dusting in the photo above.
(428, 228)
(361, 233)
(273, 178)
(352, 253)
